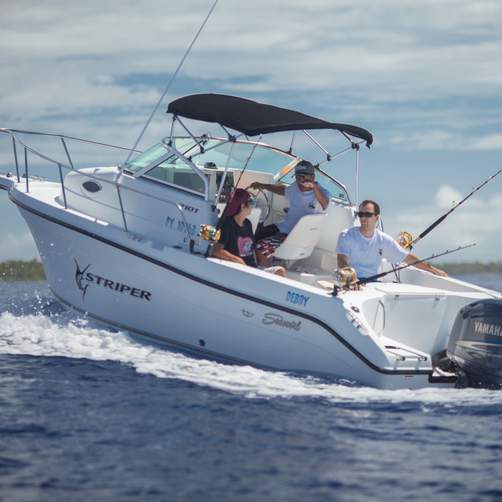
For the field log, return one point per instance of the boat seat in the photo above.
(302, 240)
(254, 217)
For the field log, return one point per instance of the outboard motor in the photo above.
(475, 343)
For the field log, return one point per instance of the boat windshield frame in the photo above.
(200, 144)
(170, 151)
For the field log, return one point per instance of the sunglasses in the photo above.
(251, 202)
(365, 214)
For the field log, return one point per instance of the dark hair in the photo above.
(239, 197)
(376, 207)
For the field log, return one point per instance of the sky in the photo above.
(425, 77)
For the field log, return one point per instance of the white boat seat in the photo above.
(254, 217)
(302, 240)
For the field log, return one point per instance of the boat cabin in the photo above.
(167, 194)
(168, 191)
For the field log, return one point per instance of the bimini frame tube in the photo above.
(224, 177)
(313, 140)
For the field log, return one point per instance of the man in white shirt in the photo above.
(305, 196)
(364, 247)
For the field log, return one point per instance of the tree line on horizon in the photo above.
(32, 270)
(20, 270)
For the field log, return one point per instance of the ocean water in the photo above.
(88, 413)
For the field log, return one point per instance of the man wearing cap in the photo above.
(305, 196)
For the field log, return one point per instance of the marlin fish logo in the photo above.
(79, 278)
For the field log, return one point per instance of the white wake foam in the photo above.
(38, 335)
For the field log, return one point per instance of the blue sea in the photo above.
(88, 413)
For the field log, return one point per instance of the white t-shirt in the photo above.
(365, 255)
(300, 204)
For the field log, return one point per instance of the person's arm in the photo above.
(220, 252)
(342, 250)
(261, 259)
(319, 193)
(320, 196)
(278, 188)
(342, 261)
(424, 265)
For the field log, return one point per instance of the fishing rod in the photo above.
(406, 236)
(350, 279)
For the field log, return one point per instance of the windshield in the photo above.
(216, 151)
(146, 158)
(263, 158)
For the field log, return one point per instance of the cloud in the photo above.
(422, 76)
(425, 140)
(446, 140)
(469, 223)
(18, 247)
(447, 196)
(490, 142)
(357, 51)
(496, 201)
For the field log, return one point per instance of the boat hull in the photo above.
(189, 302)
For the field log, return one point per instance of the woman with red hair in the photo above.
(237, 242)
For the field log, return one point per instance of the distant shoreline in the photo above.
(472, 267)
(18, 270)
(32, 270)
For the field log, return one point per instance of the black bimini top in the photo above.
(253, 118)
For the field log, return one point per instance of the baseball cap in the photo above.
(304, 167)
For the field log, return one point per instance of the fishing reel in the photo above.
(209, 232)
(345, 279)
(405, 240)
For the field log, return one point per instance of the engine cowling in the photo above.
(475, 343)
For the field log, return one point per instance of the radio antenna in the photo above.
(172, 79)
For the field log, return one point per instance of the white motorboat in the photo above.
(123, 244)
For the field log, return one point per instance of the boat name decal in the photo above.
(84, 279)
(486, 328)
(297, 298)
(271, 318)
(246, 313)
(180, 226)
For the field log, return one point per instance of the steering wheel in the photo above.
(262, 202)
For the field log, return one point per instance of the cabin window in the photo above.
(91, 186)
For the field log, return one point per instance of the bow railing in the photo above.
(19, 144)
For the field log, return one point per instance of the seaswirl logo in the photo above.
(84, 279)
(273, 318)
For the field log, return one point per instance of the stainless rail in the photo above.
(14, 134)
(395, 351)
